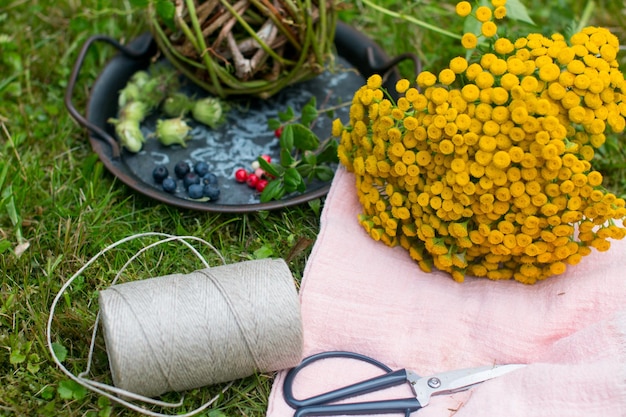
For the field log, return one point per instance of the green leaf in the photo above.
(17, 357)
(65, 389)
(165, 9)
(139, 3)
(263, 252)
(5, 245)
(516, 10)
(293, 180)
(103, 401)
(472, 25)
(309, 158)
(273, 124)
(13, 59)
(4, 83)
(329, 153)
(11, 209)
(324, 173)
(60, 351)
(306, 170)
(316, 206)
(287, 138)
(69, 389)
(32, 366)
(47, 393)
(274, 190)
(287, 115)
(286, 159)
(309, 112)
(304, 138)
(105, 411)
(105, 407)
(272, 169)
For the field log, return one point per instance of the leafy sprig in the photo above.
(303, 156)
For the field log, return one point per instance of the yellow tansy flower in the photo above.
(426, 79)
(374, 81)
(402, 85)
(469, 41)
(488, 29)
(458, 64)
(447, 76)
(483, 13)
(463, 8)
(499, 12)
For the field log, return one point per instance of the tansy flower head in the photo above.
(483, 14)
(469, 41)
(488, 29)
(499, 12)
(485, 167)
(463, 8)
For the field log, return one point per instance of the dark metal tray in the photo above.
(238, 142)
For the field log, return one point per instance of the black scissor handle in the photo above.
(319, 405)
(406, 406)
(333, 395)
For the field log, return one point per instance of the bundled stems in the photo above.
(270, 45)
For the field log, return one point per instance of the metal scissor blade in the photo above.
(459, 380)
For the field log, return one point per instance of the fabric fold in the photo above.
(360, 295)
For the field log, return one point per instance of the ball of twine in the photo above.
(184, 331)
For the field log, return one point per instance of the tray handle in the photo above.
(372, 59)
(390, 65)
(139, 53)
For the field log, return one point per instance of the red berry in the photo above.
(278, 132)
(252, 180)
(260, 186)
(259, 172)
(267, 158)
(241, 175)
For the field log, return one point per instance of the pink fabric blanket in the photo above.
(362, 296)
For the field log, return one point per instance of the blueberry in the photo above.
(160, 173)
(169, 184)
(190, 179)
(201, 168)
(211, 191)
(181, 169)
(195, 191)
(209, 178)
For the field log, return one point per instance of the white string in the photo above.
(105, 389)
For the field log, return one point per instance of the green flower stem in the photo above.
(293, 10)
(203, 51)
(319, 48)
(188, 33)
(252, 33)
(587, 12)
(279, 24)
(411, 19)
(309, 31)
(171, 52)
(169, 49)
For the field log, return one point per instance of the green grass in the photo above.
(59, 206)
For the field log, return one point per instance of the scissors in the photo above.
(423, 387)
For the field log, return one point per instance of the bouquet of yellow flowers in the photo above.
(485, 168)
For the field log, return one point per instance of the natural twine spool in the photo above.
(184, 331)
